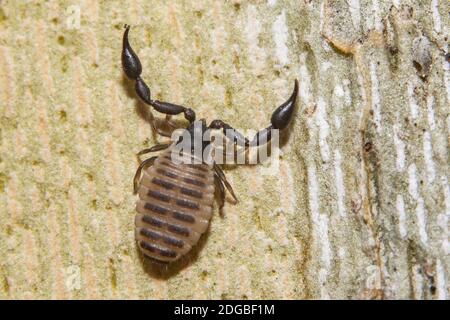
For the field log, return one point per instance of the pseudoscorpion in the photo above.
(176, 200)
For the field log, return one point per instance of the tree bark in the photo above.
(357, 208)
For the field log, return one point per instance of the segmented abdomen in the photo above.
(174, 207)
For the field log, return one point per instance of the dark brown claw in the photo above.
(133, 68)
(281, 118)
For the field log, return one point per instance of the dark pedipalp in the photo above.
(133, 68)
(280, 119)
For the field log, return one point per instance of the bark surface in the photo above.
(357, 208)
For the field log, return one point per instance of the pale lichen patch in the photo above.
(280, 34)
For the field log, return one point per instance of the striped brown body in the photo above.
(174, 207)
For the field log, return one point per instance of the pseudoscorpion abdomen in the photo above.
(174, 207)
